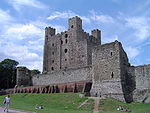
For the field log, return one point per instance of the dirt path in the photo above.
(12, 111)
(83, 103)
(96, 104)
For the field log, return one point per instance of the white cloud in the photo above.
(101, 18)
(17, 4)
(4, 17)
(140, 25)
(22, 55)
(21, 31)
(66, 15)
(132, 52)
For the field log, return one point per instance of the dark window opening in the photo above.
(66, 41)
(61, 42)
(52, 53)
(111, 53)
(52, 61)
(66, 35)
(79, 26)
(66, 50)
(112, 75)
(82, 55)
(52, 68)
(53, 44)
(65, 59)
(72, 26)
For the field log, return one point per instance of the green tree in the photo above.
(8, 73)
(35, 71)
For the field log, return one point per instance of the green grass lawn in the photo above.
(109, 105)
(53, 103)
(68, 103)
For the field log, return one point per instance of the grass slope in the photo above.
(53, 103)
(109, 105)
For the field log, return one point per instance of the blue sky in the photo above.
(22, 24)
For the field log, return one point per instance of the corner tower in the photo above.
(75, 23)
(97, 34)
(49, 32)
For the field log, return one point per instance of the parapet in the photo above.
(49, 31)
(97, 34)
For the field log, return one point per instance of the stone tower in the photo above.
(70, 49)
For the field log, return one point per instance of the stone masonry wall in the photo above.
(23, 77)
(71, 75)
(142, 78)
(127, 79)
(106, 71)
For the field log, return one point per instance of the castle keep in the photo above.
(75, 57)
(70, 49)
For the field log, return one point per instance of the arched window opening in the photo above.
(52, 53)
(65, 50)
(66, 35)
(65, 59)
(53, 44)
(71, 26)
(52, 68)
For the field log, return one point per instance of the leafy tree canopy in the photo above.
(8, 63)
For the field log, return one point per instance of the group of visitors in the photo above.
(123, 109)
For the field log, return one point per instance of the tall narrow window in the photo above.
(61, 42)
(66, 41)
(111, 53)
(112, 75)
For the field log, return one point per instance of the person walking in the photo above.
(7, 102)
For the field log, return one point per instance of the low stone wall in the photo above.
(71, 75)
(142, 77)
(55, 88)
(141, 95)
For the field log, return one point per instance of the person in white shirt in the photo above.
(7, 102)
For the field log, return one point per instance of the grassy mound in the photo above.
(68, 103)
(109, 105)
(53, 103)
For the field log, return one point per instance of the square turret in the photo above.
(75, 23)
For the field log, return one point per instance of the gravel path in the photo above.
(12, 111)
